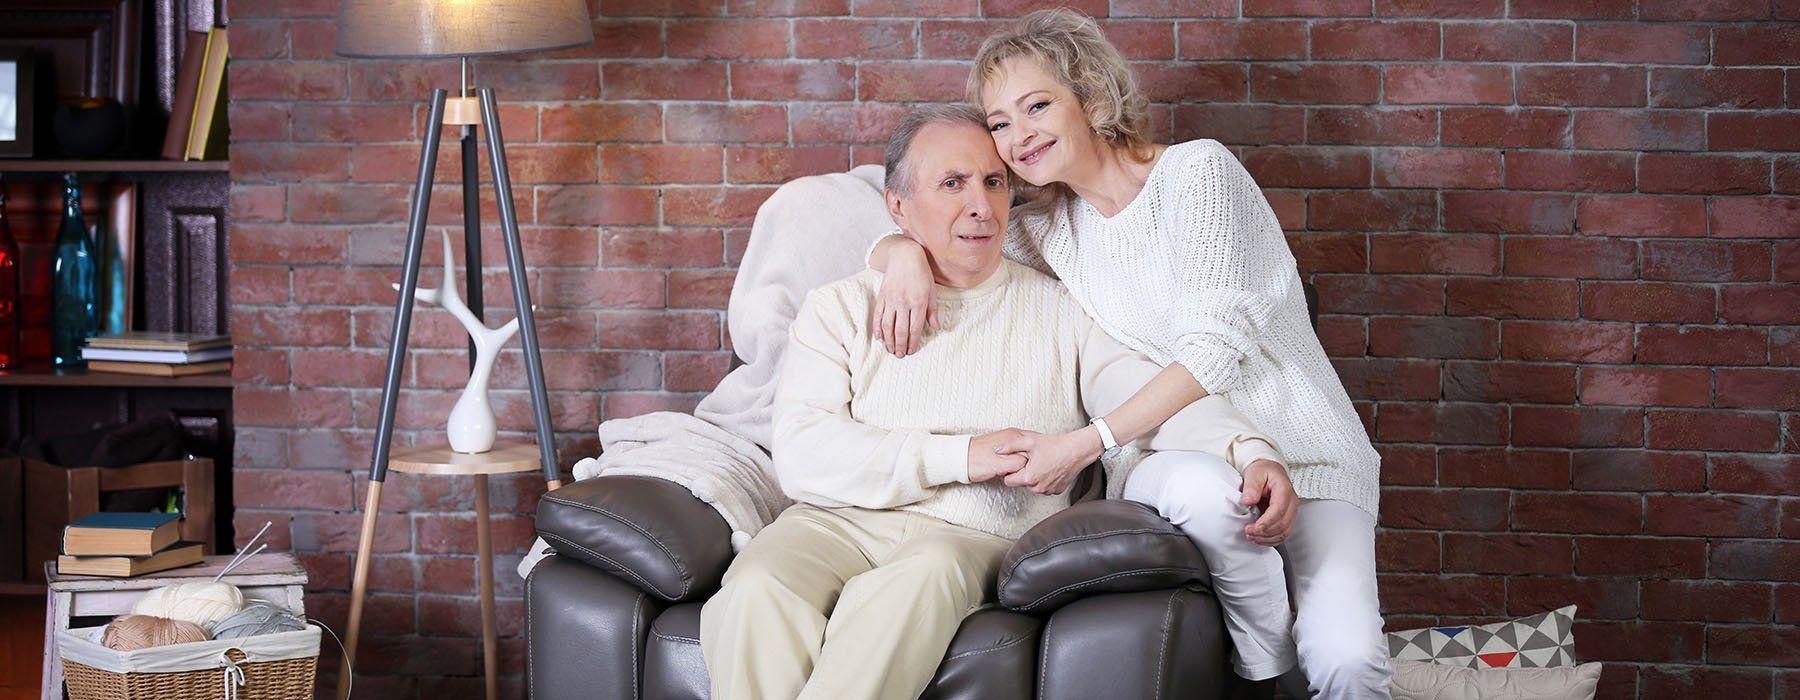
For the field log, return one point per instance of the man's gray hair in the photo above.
(899, 177)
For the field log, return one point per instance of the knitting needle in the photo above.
(236, 564)
(253, 539)
(240, 555)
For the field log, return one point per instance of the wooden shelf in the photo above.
(504, 458)
(41, 375)
(30, 165)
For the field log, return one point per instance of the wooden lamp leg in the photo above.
(365, 544)
(484, 561)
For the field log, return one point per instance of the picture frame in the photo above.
(89, 47)
(79, 48)
(18, 103)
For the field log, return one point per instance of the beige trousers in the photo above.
(844, 603)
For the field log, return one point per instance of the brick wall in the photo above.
(1556, 245)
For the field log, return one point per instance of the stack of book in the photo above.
(124, 544)
(158, 354)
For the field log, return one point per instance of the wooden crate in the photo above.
(56, 496)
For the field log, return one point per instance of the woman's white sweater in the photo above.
(856, 426)
(1196, 270)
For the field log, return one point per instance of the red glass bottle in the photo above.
(9, 289)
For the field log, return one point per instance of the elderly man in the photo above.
(902, 514)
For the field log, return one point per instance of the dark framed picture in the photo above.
(79, 48)
(17, 106)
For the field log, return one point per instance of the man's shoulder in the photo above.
(855, 293)
(1040, 285)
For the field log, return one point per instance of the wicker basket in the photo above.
(277, 666)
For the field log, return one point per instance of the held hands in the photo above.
(906, 302)
(1052, 462)
(1266, 486)
(986, 460)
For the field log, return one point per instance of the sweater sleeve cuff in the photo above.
(946, 459)
(1245, 451)
(1214, 365)
(870, 253)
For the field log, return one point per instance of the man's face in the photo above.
(958, 205)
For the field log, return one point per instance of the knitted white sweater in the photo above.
(855, 426)
(1196, 270)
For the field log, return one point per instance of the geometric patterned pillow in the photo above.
(1539, 641)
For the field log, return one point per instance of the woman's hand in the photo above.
(1053, 461)
(907, 301)
(986, 461)
(1266, 486)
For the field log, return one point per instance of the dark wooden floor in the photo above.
(21, 645)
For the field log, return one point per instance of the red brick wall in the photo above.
(1556, 246)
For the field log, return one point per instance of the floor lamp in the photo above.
(457, 29)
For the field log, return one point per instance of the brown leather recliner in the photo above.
(1105, 599)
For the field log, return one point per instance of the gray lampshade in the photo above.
(446, 28)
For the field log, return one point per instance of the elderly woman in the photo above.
(1174, 251)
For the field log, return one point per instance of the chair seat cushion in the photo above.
(649, 532)
(992, 657)
(1107, 546)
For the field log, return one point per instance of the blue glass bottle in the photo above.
(72, 294)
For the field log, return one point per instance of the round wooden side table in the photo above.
(440, 460)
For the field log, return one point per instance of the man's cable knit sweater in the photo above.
(854, 426)
(1196, 270)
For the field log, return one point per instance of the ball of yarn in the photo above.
(201, 602)
(133, 632)
(257, 617)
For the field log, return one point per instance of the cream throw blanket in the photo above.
(811, 231)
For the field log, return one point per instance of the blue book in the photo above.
(120, 534)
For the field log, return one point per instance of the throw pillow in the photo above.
(1539, 641)
(1418, 680)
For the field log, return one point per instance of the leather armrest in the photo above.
(648, 532)
(1106, 546)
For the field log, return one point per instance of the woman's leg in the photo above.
(1331, 560)
(1200, 493)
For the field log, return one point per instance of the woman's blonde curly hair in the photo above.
(1070, 46)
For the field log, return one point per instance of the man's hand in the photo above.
(1266, 486)
(1053, 461)
(985, 458)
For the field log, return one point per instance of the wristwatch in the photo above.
(1106, 437)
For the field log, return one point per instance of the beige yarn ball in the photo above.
(133, 632)
(201, 602)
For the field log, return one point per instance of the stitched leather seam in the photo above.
(1162, 652)
(999, 647)
(1044, 660)
(1077, 538)
(673, 638)
(637, 673)
(674, 561)
(622, 569)
(1088, 582)
(530, 681)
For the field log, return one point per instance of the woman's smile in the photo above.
(1035, 154)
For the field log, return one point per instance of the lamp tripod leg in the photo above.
(365, 544)
(390, 390)
(515, 266)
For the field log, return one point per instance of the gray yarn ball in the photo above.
(257, 617)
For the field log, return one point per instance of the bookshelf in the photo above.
(50, 165)
(47, 376)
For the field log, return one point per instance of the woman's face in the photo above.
(1039, 128)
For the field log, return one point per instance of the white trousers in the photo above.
(1330, 573)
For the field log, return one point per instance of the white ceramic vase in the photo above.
(471, 427)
